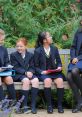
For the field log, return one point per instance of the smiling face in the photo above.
(21, 45)
(48, 39)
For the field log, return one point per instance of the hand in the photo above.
(44, 72)
(59, 68)
(29, 74)
(74, 61)
(1, 70)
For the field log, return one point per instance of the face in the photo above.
(64, 37)
(1, 39)
(21, 48)
(48, 39)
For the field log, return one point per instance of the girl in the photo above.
(4, 61)
(75, 68)
(47, 57)
(22, 61)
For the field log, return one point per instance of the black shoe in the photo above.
(50, 109)
(33, 111)
(60, 109)
(77, 108)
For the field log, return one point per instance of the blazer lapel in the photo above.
(79, 45)
(43, 56)
(52, 54)
(26, 59)
(19, 58)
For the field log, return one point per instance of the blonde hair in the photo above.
(2, 32)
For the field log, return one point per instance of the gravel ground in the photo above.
(43, 113)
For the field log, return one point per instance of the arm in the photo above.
(16, 67)
(36, 62)
(6, 58)
(79, 57)
(58, 59)
(31, 65)
(73, 48)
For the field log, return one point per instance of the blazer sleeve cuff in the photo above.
(59, 65)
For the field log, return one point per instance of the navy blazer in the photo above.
(76, 45)
(22, 65)
(40, 59)
(4, 59)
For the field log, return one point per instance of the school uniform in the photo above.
(74, 79)
(43, 62)
(76, 51)
(22, 65)
(4, 61)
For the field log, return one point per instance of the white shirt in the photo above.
(47, 51)
(23, 55)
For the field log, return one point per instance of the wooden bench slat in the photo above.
(61, 51)
(18, 85)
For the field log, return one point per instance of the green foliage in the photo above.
(68, 100)
(28, 17)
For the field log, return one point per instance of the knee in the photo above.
(8, 80)
(69, 76)
(59, 83)
(47, 82)
(35, 82)
(26, 82)
(75, 71)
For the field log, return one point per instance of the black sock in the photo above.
(74, 88)
(25, 93)
(1, 93)
(77, 79)
(34, 92)
(47, 92)
(11, 91)
(60, 93)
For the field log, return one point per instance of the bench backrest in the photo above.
(64, 53)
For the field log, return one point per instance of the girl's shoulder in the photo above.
(38, 49)
(3, 48)
(14, 53)
(54, 47)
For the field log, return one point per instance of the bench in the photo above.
(64, 53)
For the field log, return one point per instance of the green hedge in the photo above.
(28, 17)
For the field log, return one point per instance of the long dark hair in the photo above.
(41, 37)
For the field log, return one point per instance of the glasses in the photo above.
(49, 37)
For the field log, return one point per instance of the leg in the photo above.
(60, 93)
(25, 92)
(47, 92)
(1, 91)
(74, 88)
(77, 79)
(34, 92)
(10, 87)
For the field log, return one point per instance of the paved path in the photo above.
(43, 113)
